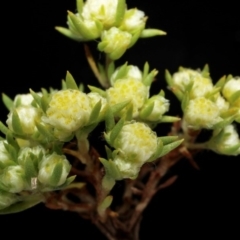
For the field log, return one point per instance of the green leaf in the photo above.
(104, 205)
(36, 97)
(221, 82)
(3, 128)
(116, 130)
(122, 71)
(12, 141)
(135, 37)
(168, 139)
(205, 71)
(68, 33)
(145, 70)
(146, 110)
(16, 123)
(168, 78)
(185, 101)
(95, 112)
(80, 6)
(169, 147)
(21, 206)
(30, 171)
(8, 102)
(120, 12)
(108, 151)
(146, 33)
(45, 131)
(119, 106)
(158, 151)
(169, 119)
(98, 90)
(111, 170)
(234, 97)
(129, 112)
(77, 185)
(111, 69)
(109, 120)
(70, 82)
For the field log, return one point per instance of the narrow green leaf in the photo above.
(98, 90)
(111, 69)
(3, 128)
(116, 130)
(145, 70)
(168, 78)
(16, 123)
(70, 82)
(80, 6)
(146, 33)
(168, 139)
(169, 147)
(146, 110)
(8, 102)
(120, 12)
(95, 112)
(109, 121)
(56, 174)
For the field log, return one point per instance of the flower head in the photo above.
(128, 89)
(202, 113)
(68, 110)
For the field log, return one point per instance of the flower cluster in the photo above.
(117, 27)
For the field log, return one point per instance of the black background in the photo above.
(200, 203)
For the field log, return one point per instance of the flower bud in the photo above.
(28, 117)
(53, 170)
(114, 42)
(104, 11)
(201, 113)
(133, 20)
(128, 89)
(13, 178)
(231, 87)
(23, 100)
(137, 142)
(7, 199)
(68, 110)
(160, 107)
(225, 141)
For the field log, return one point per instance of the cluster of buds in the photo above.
(118, 27)
(209, 106)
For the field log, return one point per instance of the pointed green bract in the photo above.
(146, 33)
(8, 102)
(169, 147)
(145, 70)
(95, 112)
(80, 4)
(56, 174)
(120, 12)
(16, 123)
(116, 130)
(98, 90)
(70, 82)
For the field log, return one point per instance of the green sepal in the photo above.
(103, 77)
(205, 71)
(80, 6)
(146, 110)
(120, 12)
(116, 130)
(70, 82)
(3, 128)
(95, 112)
(98, 90)
(214, 91)
(64, 86)
(146, 33)
(111, 69)
(21, 206)
(16, 123)
(234, 97)
(178, 93)
(117, 53)
(56, 174)
(8, 102)
(68, 33)
(145, 70)
(185, 101)
(169, 147)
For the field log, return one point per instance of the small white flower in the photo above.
(102, 10)
(133, 20)
(131, 72)
(68, 110)
(114, 42)
(13, 178)
(28, 116)
(202, 113)
(137, 142)
(23, 100)
(232, 86)
(161, 106)
(46, 170)
(224, 141)
(128, 89)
